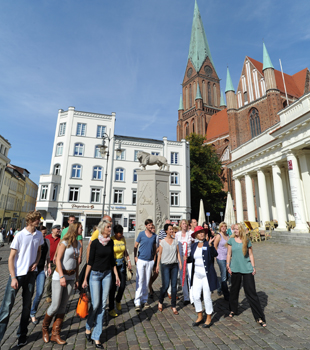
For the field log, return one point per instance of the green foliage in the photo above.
(206, 184)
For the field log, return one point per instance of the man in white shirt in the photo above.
(24, 257)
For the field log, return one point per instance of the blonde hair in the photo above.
(176, 229)
(32, 216)
(71, 234)
(244, 238)
(102, 225)
(223, 223)
(183, 220)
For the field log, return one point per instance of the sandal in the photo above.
(232, 314)
(261, 322)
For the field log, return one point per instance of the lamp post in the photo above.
(104, 150)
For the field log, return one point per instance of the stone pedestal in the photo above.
(153, 200)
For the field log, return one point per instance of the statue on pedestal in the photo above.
(149, 159)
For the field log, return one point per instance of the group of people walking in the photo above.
(189, 251)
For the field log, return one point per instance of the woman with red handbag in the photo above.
(64, 279)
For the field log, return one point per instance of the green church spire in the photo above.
(181, 103)
(229, 84)
(222, 99)
(266, 59)
(198, 94)
(199, 47)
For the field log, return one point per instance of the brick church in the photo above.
(261, 93)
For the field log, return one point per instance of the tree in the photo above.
(206, 172)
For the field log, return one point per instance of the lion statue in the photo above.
(148, 159)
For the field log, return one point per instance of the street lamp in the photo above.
(104, 150)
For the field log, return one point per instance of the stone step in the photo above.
(291, 238)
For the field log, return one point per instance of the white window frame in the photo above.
(174, 157)
(55, 192)
(97, 152)
(174, 199)
(78, 168)
(135, 155)
(57, 168)
(95, 195)
(122, 156)
(44, 192)
(119, 172)
(175, 178)
(62, 129)
(74, 190)
(59, 149)
(99, 170)
(101, 129)
(80, 147)
(120, 196)
(81, 129)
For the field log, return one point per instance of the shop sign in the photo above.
(120, 207)
(83, 206)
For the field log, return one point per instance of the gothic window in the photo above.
(186, 129)
(214, 94)
(209, 95)
(245, 95)
(190, 96)
(254, 122)
(193, 126)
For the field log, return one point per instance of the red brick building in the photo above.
(261, 94)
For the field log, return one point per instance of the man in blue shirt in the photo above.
(146, 241)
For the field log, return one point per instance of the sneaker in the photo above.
(48, 300)
(146, 305)
(118, 306)
(22, 340)
(138, 308)
(112, 313)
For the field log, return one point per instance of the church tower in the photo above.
(201, 85)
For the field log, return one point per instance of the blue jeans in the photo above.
(224, 276)
(39, 292)
(27, 282)
(99, 283)
(169, 272)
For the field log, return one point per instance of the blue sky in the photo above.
(128, 57)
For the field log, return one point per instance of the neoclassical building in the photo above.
(275, 168)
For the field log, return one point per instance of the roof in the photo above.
(266, 59)
(181, 103)
(295, 84)
(198, 94)
(218, 125)
(198, 47)
(229, 84)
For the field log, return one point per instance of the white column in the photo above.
(239, 205)
(304, 162)
(272, 207)
(258, 207)
(287, 194)
(279, 197)
(296, 192)
(249, 197)
(263, 198)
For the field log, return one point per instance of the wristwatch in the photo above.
(61, 277)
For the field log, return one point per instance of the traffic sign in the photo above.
(221, 213)
(207, 213)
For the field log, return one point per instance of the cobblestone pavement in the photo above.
(282, 282)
